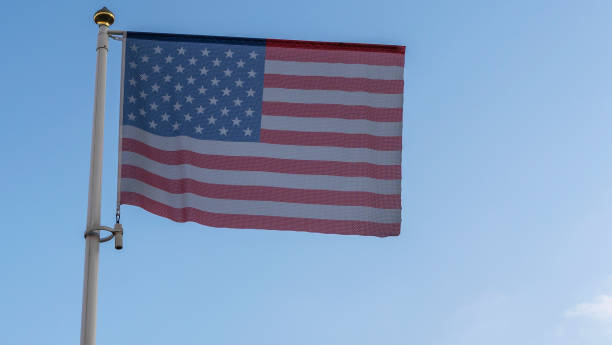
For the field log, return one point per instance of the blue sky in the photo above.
(507, 195)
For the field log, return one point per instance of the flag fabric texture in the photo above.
(263, 133)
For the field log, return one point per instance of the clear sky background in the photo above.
(507, 186)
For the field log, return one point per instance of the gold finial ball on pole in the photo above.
(104, 17)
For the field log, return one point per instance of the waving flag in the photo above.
(263, 134)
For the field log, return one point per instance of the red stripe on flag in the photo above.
(337, 46)
(352, 112)
(308, 54)
(289, 166)
(330, 139)
(334, 83)
(302, 196)
(220, 220)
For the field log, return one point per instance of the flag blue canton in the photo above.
(203, 90)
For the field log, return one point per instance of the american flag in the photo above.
(263, 134)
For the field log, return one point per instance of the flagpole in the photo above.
(104, 18)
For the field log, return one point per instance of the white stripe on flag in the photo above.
(378, 100)
(262, 178)
(331, 125)
(324, 69)
(255, 149)
(262, 208)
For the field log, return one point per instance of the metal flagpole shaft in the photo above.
(104, 18)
